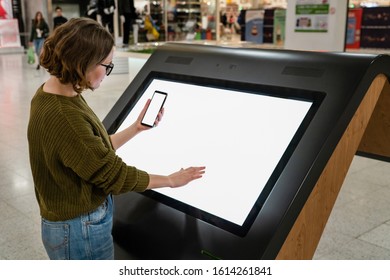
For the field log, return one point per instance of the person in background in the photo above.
(106, 11)
(59, 18)
(39, 32)
(92, 10)
(127, 12)
(74, 165)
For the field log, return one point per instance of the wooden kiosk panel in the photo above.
(338, 92)
(376, 138)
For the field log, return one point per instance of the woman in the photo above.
(39, 32)
(73, 161)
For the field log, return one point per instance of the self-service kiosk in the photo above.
(276, 130)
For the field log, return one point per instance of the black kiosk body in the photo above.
(264, 122)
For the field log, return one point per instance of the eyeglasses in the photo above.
(109, 67)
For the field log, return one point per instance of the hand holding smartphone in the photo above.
(155, 106)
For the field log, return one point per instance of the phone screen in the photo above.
(154, 108)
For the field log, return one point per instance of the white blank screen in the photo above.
(239, 137)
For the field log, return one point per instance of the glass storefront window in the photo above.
(176, 20)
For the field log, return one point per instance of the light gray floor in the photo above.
(359, 227)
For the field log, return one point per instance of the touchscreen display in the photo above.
(240, 137)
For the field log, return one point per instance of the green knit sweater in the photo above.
(73, 163)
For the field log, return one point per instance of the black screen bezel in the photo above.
(267, 90)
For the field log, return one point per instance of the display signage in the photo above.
(243, 138)
(9, 33)
(316, 25)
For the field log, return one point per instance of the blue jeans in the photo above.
(38, 44)
(87, 237)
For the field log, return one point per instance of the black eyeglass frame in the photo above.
(109, 67)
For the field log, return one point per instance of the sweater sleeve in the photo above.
(86, 150)
(103, 168)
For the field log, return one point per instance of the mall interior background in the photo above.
(175, 19)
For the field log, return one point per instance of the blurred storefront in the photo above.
(193, 20)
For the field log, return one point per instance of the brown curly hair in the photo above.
(73, 49)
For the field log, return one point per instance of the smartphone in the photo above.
(155, 106)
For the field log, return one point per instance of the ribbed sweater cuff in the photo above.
(143, 181)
